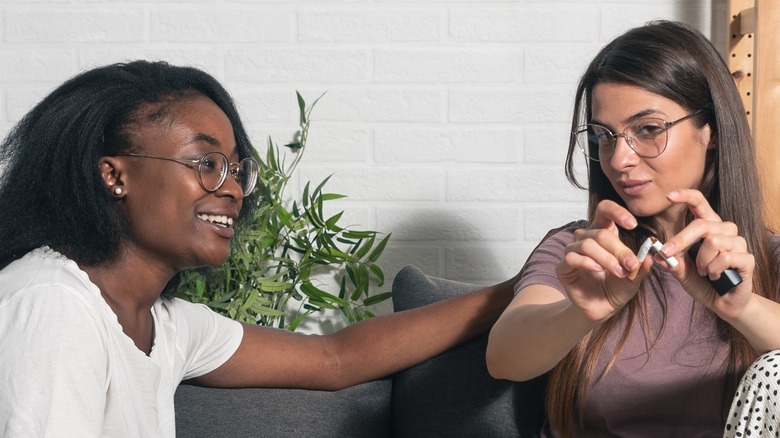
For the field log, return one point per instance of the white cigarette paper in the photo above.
(653, 245)
(644, 249)
(656, 249)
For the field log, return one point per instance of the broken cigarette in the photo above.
(651, 245)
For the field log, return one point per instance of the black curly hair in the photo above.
(51, 190)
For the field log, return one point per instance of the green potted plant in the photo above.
(285, 248)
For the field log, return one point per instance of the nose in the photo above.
(623, 155)
(231, 187)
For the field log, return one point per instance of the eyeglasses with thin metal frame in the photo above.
(646, 136)
(212, 169)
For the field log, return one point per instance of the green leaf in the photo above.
(377, 271)
(320, 295)
(365, 248)
(332, 196)
(379, 249)
(302, 107)
(330, 224)
(359, 234)
(378, 298)
(275, 286)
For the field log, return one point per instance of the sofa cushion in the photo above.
(452, 394)
(361, 411)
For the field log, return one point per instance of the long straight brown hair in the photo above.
(677, 62)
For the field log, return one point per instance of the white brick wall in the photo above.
(444, 121)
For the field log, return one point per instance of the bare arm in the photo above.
(542, 325)
(363, 351)
(535, 332)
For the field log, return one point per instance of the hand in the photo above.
(595, 267)
(722, 248)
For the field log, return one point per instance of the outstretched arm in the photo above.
(363, 351)
(535, 332)
(542, 324)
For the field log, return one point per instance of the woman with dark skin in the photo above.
(108, 191)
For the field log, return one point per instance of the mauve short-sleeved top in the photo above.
(674, 389)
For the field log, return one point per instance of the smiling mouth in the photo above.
(220, 220)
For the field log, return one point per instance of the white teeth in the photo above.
(217, 219)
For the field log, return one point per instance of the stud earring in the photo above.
(118, 191)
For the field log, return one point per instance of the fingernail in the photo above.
(629, 221)
(667, 249)
(621, 272)
(672, 194)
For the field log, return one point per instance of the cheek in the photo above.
(163, 204)
(608, 171)
(679, 171)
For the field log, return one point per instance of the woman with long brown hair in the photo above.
(640, 346)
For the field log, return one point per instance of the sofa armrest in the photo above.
(453, 394)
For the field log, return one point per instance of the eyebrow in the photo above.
(631, 119)
(211, 141)
(205, 138)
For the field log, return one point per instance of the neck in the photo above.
(130, 291)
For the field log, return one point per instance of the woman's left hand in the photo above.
(722, 248)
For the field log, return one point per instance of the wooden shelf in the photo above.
(753, 37)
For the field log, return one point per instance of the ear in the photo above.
(709, 137)
(111, 171)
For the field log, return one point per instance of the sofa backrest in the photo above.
(453, 395)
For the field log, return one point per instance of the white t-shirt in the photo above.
(67, 368)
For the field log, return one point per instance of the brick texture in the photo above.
(445, 122)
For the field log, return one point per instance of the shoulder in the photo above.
(46, 299)
(42, 266)
(48, 280)
(50, 314)
(539, 268)
(203, 339)
(181, 312)
(190, 325)
(556, 239)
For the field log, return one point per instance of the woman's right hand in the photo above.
(595, 267)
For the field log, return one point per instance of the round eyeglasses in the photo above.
(646, 136)
(212, 169)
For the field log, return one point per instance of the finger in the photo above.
(716, 236)
(574, 260)
(713, 246)
(609, 213)
(606, 249)
(641, 270)
(696, 203)
(742, 262)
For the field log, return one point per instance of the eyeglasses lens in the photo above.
(647, 137)
(247, 175)
(213, 169)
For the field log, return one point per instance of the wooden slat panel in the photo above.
(740, 52)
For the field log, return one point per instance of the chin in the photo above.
(640, 209)
(219, 260)
(213, 257)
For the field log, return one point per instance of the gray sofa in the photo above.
(450, 395)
